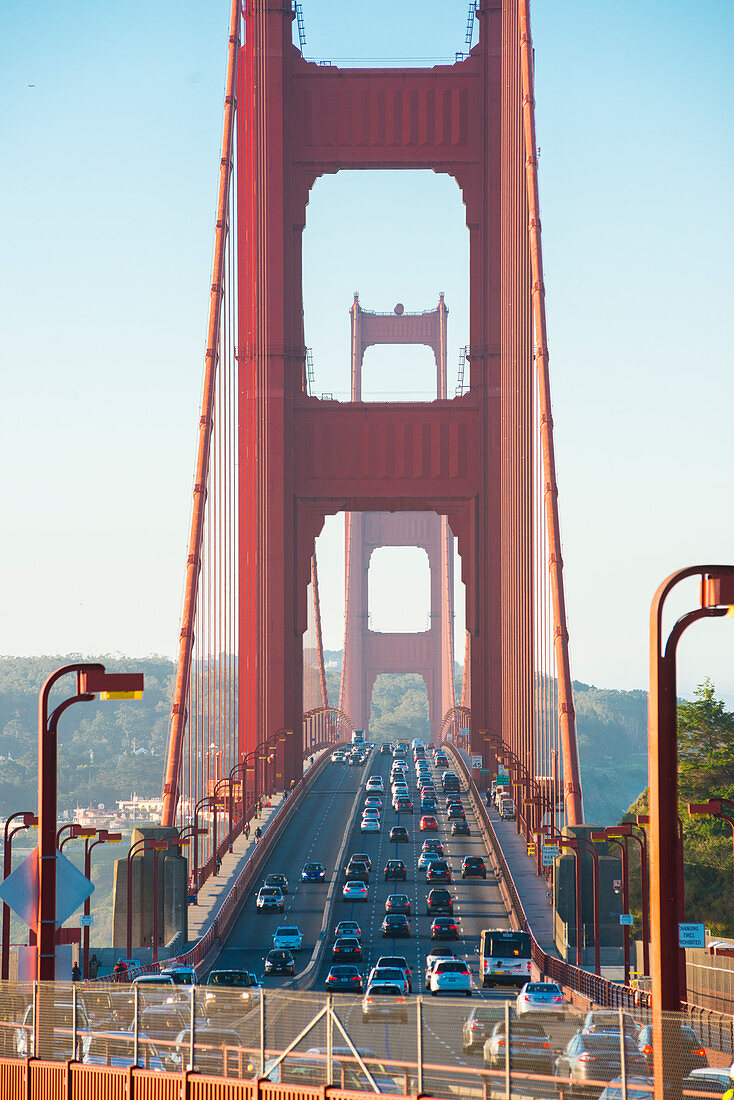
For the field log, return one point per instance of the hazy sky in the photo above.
(110, 124)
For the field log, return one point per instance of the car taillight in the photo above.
(546, 1045)
(355, 977)
(475, 1026)
(500, 1042)
(647, 1049)
(399, 1000)
(700, 1052)
(558, 1000)
(587, 1058)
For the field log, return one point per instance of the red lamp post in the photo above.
(91, 680)
(610, 837)
(714, 808)
(28, 820)
(103, 837)
(206, 801)
(76, 832)
(668, 971)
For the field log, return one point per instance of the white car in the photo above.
(375, 783)
(270, 897)
(370, 825)
(450, 976)
(288, 937)
(354, 891)
(542, 997)
(374, 801)
(400, 789)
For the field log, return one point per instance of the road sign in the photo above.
(502, 770)
(86, 920)
(20, 890)
(691, 935)
(549, 853)
(626, 918)
(531, 848)
(485, 771)
(476, 761)
(465, 731)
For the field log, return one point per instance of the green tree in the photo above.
(705, 744)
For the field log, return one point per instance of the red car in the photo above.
(429, 824)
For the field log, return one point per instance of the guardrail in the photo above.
(592, 987)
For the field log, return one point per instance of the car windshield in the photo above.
(385, 991)
(344, 971)
(388, 974)
(607, 1043)
(269, 892)
(278, 956)
(452, 968)
(542, 987)
(312, 867)
(232, 978)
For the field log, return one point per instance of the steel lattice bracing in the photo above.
(274, 460)
(367, 653)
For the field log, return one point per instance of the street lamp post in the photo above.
(28, 820)
(91, 680)
(713, 808)
(103, 837)
(609, 837)
(207, 801)
(668, 972)
(77, 831)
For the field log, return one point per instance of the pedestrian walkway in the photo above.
(212, 894)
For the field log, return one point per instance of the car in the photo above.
(529, 1048)
(455, 812)
(690, 1051)
(390, 974)
(386, 749)
(477, 1026)
(371, 812)
(396, 871)
(438, 871)
(403, 805)
(63, 1026)
(288, 936)
(346, 947)
(540, 997)
(399, 835)
(460, 828)
(313, 872)
(399, 790)
(709, 1080)
(450, 976)
(473, 867)
(595, 1057)
(395, 925)
(450, 782)
(362, 857)
(439, 901)
(375, 783)
(354, 890)
(428, 806)
(374, 801)
(606, 1021)
(356, 871)
(307, 1070)
(217, 1051)
(444, 928)
(348, 928)
(398, 903)
(432, 957)
(117, 1049)
(637, 1088)
(369, 825)
(426, 859)
(433, 846)
(453, 800)
(344, 979)
(182, 975)
(270, 898)
(280, 962)
(441, 761)
(429, 824)
(277, 880)
(384, 1000)
(400, 962)
(231, 992)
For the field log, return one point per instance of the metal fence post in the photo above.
(508, 1070)
(73, 1022)
(419, 1044)
(262, 1033)
(136, 1024)
(329, 1040)
(622, 1053)
(192, 1029)
(35, 1019)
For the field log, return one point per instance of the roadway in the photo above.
(317, 834)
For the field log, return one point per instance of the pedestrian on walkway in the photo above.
(93, 968)
(247, 831)
(76, 974)
(258, 834)
(120, 970)
(218, 866)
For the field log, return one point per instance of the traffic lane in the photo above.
(310, 836)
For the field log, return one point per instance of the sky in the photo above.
(110, 123)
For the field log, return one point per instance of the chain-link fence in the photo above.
(444, 1047)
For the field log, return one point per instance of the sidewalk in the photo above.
(215, 889)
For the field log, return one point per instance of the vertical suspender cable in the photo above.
(572, 781)
(193, 567)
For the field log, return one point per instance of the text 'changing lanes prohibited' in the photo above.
(691, 935)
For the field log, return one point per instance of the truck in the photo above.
(507, 809)
(358, 737)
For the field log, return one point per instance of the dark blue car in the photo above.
(313, 872)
